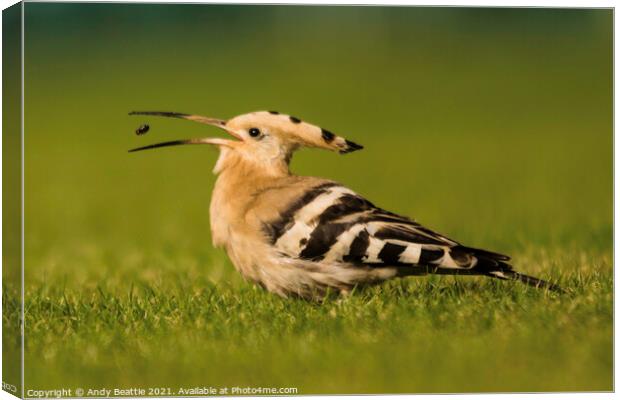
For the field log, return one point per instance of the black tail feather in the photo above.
(528, 280)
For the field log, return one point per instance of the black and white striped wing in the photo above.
(331, 223)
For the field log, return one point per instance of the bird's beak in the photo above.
(196, 118)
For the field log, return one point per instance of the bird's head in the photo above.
(263, 137)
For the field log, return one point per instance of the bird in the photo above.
(304, 236)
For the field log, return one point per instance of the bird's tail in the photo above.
(528, 280)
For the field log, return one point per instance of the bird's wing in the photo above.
(331, 223)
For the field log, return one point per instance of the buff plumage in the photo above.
(303, 236)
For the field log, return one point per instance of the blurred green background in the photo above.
(492, 126)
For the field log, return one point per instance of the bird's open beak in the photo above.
(196, 118)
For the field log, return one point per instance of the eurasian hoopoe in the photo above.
(297, 235)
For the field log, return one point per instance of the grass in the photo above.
(416, 335)
(493, 127)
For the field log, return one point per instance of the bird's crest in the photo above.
(296, 130)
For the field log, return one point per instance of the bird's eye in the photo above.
(254, 132)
